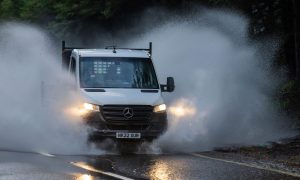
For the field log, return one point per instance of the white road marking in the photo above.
(46, 154)
(248, 165)
(90, 168)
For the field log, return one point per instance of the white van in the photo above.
(122, 94)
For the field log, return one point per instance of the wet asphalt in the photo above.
(24, 165)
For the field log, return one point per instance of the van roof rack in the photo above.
(114, 48)
(141, 49)
(66, 51)
(64, 47)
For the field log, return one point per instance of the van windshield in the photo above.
(117, 72)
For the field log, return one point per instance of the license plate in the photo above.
(121, 135)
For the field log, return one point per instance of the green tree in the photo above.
(9, 9)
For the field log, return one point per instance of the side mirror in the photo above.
(170, 85)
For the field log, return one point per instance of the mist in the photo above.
(35, 95)
(225, 83)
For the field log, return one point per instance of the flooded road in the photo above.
(25, 165)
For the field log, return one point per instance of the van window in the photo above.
(117, 72)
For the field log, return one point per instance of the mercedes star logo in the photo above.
(128, 113)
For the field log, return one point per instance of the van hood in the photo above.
(123, 96)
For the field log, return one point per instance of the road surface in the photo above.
(24, 165)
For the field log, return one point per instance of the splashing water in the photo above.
(224, 86)
(34, 92)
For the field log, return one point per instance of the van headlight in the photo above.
(160, 108)
(90, 107)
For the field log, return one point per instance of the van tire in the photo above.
(128, 147)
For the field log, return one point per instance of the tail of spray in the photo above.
(224, 86)
(34, 113)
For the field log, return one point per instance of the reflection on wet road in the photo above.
(18, 165)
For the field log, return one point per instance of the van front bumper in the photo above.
(104, 134)
(102, 129)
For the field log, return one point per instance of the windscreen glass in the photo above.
(117, 72)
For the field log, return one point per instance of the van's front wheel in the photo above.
(128, 147)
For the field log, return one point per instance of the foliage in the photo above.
(290, 98)
(66, 15)
(9, 9)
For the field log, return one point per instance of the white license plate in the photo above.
(122, 135)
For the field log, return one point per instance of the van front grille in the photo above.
(128, 127)
(114, 114)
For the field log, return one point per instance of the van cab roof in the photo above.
(110, 53)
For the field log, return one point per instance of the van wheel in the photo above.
(128, 147)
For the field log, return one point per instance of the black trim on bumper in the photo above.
(150, 128)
